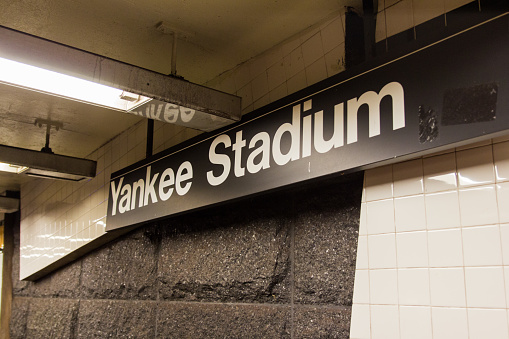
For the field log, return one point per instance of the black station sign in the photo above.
(438, 96)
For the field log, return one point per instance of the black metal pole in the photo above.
(150, 137)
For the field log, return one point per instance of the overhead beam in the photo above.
(213, 106)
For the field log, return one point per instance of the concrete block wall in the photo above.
(280, 265)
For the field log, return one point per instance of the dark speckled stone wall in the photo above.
(280, 265)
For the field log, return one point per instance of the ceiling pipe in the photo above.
(174, 55)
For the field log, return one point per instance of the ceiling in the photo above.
(214, 36)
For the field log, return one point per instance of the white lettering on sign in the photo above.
(165, 112)
(307, 139)
(143, 192)
(393, 89)
(237, 156)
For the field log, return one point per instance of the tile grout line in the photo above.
(364, 201)
(458, 189)
(499, 224)
(428, 266)
(396, 268)
(158, 255)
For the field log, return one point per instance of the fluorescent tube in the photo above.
(34, 78)
(5, 167)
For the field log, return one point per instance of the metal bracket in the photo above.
(48, 123)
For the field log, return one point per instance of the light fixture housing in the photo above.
(48, 165)
(45, 81)
(133, 89)
(10, 168)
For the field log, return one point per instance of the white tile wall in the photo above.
(475, 166)
(382, 251)
(447, 287)
(425, 10)
(308, 57)
(441, 248)
(439, 173)
(409, 213)
(395, 16)
(412, 249)
(380, 216)
(413, 286)
(408, 178)
(360, 324)
(399, 17)
(487, 323)
(383, 287)
(449, 322)
(501, 156)
(59, 217)
(415, 322)
(443, 210)
(478, 205)
(384, 321)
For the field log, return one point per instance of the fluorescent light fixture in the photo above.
(45, 66)
(46, 165)
(42, 80)
(5, 167)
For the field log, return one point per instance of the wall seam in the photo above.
(426, 229)
(499, 224)
(79, 298)
(158, 253)
(364, 201)
(458, 189)
(292, 277)
(75, 320)
(396, 268)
